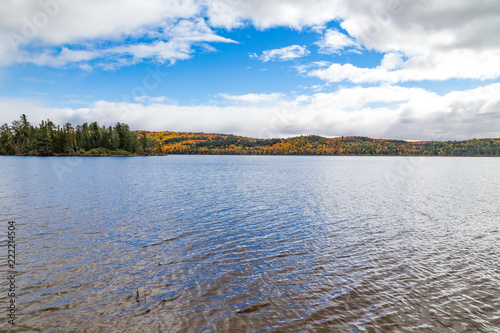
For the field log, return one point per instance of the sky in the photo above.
(395, 69)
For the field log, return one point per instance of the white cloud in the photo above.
(64, 57)
(283, 54)
(462, 64)
(253, 98)
(78, 32)
(422, 27)
(358, 97)
(149, 99)
(181, 37)
(391, 61)
(383, 112)
(334, 41)
(439, 39)
(264, 14)
(57, 22)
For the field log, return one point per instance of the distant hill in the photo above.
(48, 139)
(200, 143)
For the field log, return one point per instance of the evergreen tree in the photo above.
(6, 146)
(23, 136)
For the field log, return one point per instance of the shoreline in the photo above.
(296, 155)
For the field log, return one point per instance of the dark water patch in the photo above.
(161, 243)
(253, 308)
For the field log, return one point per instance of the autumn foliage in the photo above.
(200, 143)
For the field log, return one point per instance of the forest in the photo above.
(47, 139)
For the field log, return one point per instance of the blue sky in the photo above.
(389, 69)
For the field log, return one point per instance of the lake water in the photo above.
(253, 244)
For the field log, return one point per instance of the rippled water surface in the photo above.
(253, 244)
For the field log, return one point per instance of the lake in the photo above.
(253, 243)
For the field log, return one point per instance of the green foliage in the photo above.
(6, 141)
(85, 140)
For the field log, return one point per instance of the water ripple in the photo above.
(255, 244)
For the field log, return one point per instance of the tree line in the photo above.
(48, 139)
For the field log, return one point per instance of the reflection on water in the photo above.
(254, 244)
